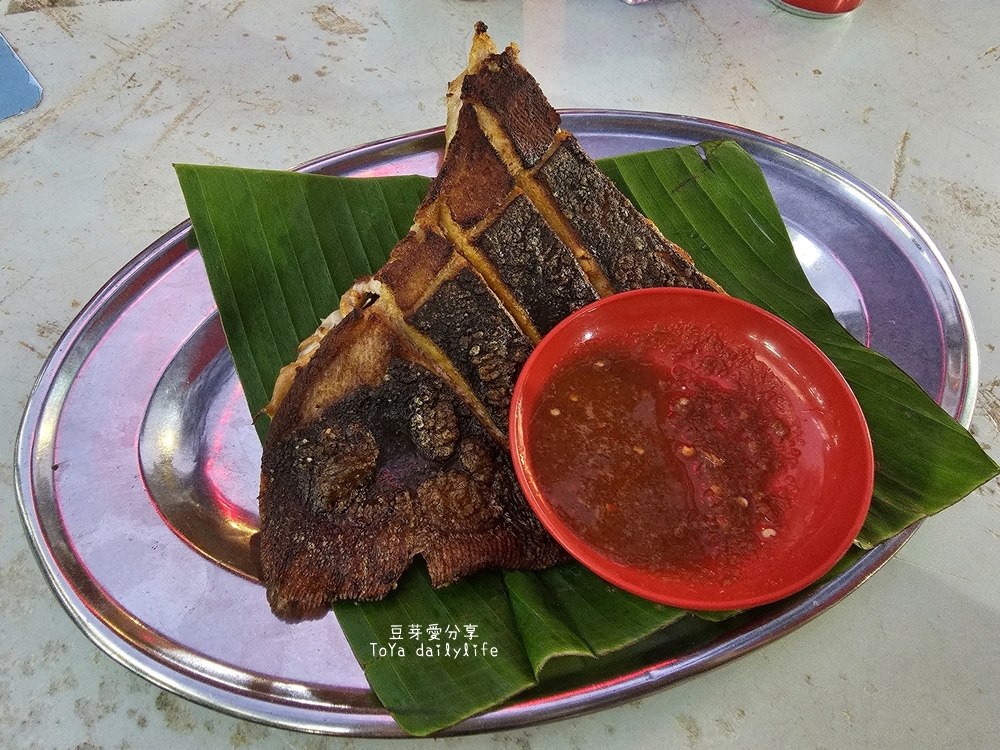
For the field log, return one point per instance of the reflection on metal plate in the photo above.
(185, 457)
(137, 463)
(19, 91)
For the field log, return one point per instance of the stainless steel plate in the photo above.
(137, 464)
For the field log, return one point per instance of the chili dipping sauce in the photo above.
(668, 451)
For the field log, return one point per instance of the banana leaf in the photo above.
(280, 248)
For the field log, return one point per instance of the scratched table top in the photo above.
(900, 94)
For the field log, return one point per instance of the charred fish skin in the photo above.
(473, 180)
(413, 267)
(541, 274)
(628, 247)
(386, 473)
(616, 247)
(505, 126)
(304, 555)
(477, 334)
(501, 85)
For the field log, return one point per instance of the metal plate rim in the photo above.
(50, 388)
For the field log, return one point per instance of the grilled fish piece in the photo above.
(389, 433)
(390, 463)
(391, 442)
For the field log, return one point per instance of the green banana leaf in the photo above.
(281, 247)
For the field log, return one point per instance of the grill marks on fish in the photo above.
(474, 331)
(392, 441)
(501, 86)
(473, 179)
(542, 276)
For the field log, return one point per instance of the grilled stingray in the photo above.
(388, 437)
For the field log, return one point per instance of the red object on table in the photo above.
(819, 7)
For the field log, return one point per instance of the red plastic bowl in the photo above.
(834, 473)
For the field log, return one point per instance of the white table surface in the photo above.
(905, 94)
